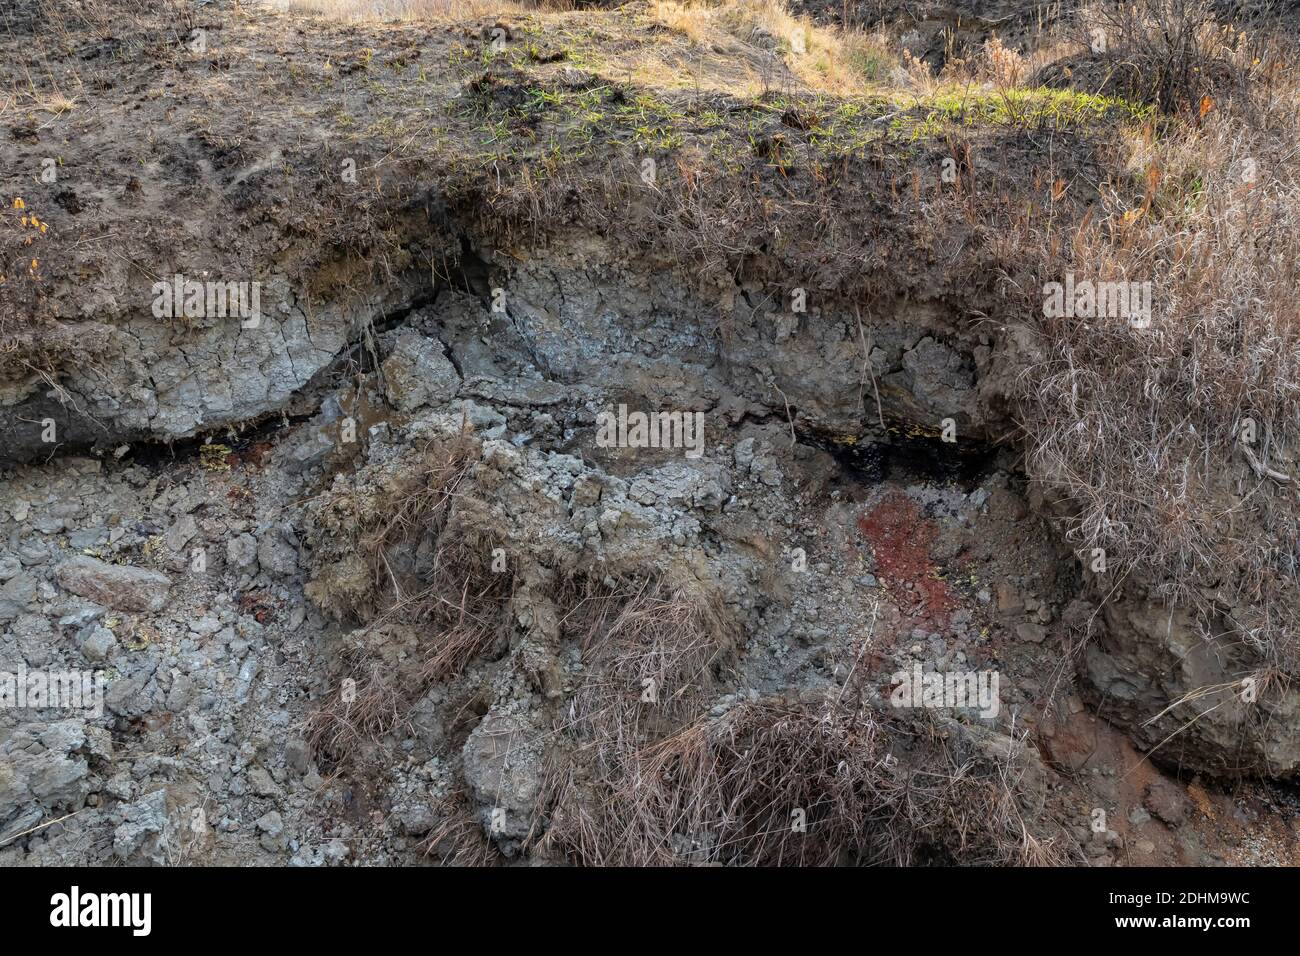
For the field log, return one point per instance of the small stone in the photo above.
(260, 782)
(99, 645)
(271, 829)
(181, 533)
(86, 538)
(416, 821)
(116, 586)
(1009, 599)
(9, 566)
(1033, 633)
(297, 756)
(744, 453)
(206, 626)
(16, 596)
(1166, 801)
(419, 373)
(276, 555)
(181, 694)
(141, 830)
(241, 551)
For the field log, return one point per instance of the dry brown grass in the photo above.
(431, 584)
(796, 783)
(459, 840)
(818, 58)
(811, 781)
(1141, 429)
(459, 613)
(1173, 53)
(773, 47)
(643, 638)
(370, 10)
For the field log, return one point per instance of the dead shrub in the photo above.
(1177, 445)
(458, 839)
(651, 652)
(1006, 66)
(433, 600)
(796, 783)
(1177, 54)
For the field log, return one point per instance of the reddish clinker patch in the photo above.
(900, 536)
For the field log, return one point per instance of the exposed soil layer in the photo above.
(365, 583)
(827, 581)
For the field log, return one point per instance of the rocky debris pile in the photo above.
(120, 577)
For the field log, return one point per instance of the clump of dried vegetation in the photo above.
(643, 641)
(802, 782)
(410, 560)
(642, 776)
(1176, 445)
(420, 9)
(1173, 53)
